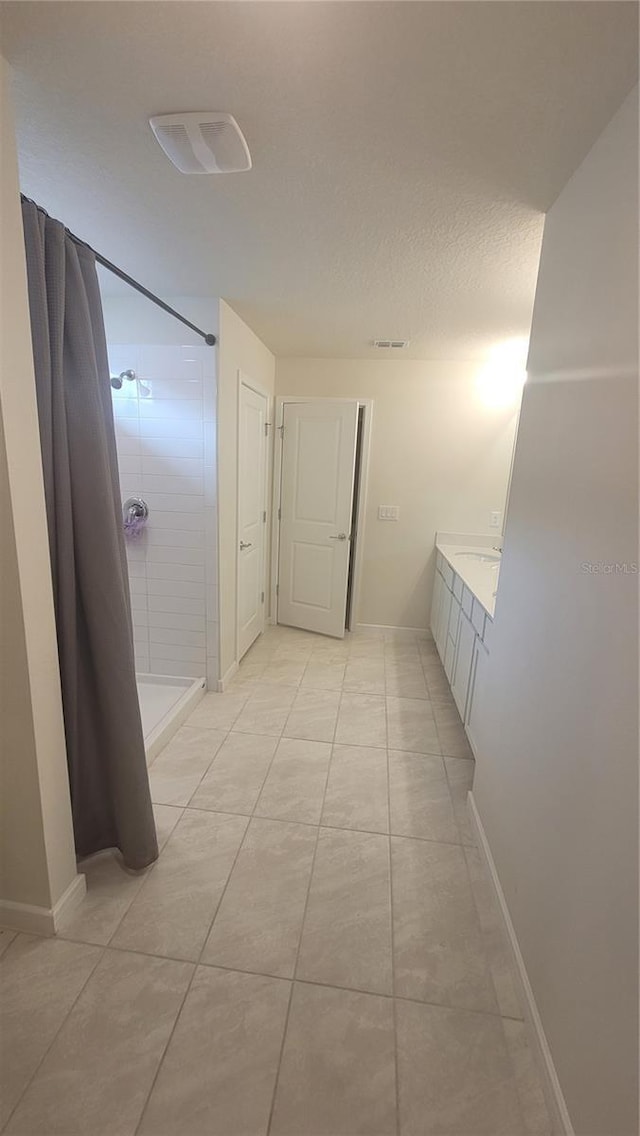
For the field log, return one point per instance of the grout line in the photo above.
(393, 948)
(292, 981)
(321, 823)
(300, 981)
(166, 1048)
(453, 806)
(249, 733)
(302, 923)
(102, 951)
(264, 781)
(206, 771)
(195, 965)
(135, 894)
(223, 892)
(146, 875)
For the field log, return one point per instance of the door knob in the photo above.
(340, 536)
(245, 544)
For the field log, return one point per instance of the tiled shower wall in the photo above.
(166, 438)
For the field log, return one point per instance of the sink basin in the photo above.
(480, 557)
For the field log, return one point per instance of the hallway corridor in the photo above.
(317, 951)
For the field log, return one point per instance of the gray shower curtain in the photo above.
(105, 748)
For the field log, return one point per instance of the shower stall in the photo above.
(164, 402)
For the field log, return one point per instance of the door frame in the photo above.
(361, 506)
(245, 380)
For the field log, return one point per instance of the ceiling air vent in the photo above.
(202, 142)
(398, 344)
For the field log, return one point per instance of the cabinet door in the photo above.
(436, 602)
(454, 617)
(452, 637)
(443, 620)
(462, 665)
(473, 720)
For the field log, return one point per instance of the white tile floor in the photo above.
(316, 953)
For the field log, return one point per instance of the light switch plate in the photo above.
(388, 512)
(494, 522)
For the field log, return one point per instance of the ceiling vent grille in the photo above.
(397, 344)
(202, 142)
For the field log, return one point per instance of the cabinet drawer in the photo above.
(447, 573)
(457, 587)
(467, 600)
(477, 617)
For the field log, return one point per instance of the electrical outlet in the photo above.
(388, 513)
(494, 522)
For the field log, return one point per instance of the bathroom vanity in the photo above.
(464, 591)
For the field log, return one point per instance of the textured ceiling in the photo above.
(403, 153)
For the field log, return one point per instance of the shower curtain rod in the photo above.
(208, 337)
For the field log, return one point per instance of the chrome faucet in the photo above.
(497, 548)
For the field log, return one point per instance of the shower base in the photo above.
(165, 702)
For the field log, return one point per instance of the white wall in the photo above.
(557, 776)
(166, 441)
(239, 350)
(438, 451)
(132, 318)
(167, 455)
(37, 855)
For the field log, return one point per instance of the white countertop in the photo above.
(481, 579)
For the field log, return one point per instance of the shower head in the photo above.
(116, 380)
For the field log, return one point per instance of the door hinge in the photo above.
(281, 429)
(264, 517)
(277, 589)
(279, 514)
(266, 429)
(262, 597)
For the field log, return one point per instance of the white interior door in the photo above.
(252, 416)
(318, 462)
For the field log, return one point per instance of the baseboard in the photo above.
(226, 678)
(67, 904)
(391, 627)
(43, 920)
(553, 1091)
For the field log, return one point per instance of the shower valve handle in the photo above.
(135, 509)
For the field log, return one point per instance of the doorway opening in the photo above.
(251, 558)
(320, 480)
(357, 476)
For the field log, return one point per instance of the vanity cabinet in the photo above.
(461, 629)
